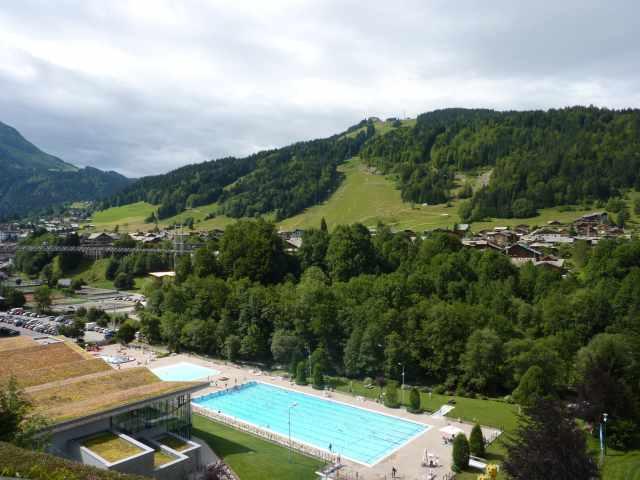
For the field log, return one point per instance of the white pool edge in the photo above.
(155, 370)
(426, 427)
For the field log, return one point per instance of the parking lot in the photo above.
(32, 324)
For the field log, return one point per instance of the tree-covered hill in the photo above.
(539, 158)
(33, 180)
(283, 181)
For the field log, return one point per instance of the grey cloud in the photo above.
(145, 87)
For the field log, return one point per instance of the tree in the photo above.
(253, 249)
(482, 360)
(183, 268)
(350, 252)
(391, 395)
(534, 385)
(324, 228)
(123, 281)
(460, 453)
(127, 332)
(414, 401)
(301, 373)
(112, 268)
(18, 423)
(476, 441)
(548, 444)
(232, 347)
(523, 208)
(42, 297)
(318, 377)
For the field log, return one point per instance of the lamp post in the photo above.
(293, 405)
(402, 364)
(604, 442)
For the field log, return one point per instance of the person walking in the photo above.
(394, 471)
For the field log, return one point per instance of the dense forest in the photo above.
(539, 158)
(32, 179)
(283, 181)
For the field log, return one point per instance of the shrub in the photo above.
(476, 441)
(439, 389)
(391, 395)
(622, 434)
(414, 401)
(318, 378)
(460, 453)
(301, 374)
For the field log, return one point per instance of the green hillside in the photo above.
(363, 197)
(33, 180)
(131, 218)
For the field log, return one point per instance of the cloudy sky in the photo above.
(143, 87)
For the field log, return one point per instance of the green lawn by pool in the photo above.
(252, 458)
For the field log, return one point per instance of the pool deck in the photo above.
(407, 459)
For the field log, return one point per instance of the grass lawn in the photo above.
(131, 218)
(252, 458)
(173, 443)
(618, 465)
(111, 447)
(492, 413)
(160, 458)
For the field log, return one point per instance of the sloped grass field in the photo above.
(369, 198)
(131, 218)
(252, 458)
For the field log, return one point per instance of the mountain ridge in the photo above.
(33, 180)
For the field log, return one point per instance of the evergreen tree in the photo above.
(533, 386)
(301, 373)
(323, 225)
(414, 401)
(391, 395)
(460, 453)
(318, 378)
(548, 444)
(476, 441)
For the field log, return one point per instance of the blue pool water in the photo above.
(355, 433)
(184, 372)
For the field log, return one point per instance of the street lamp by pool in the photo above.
(402, 364)
(604, 442)
(293, 405)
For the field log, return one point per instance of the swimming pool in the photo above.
(184, 372)
(355, 433)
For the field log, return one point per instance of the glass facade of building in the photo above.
(168, 415)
